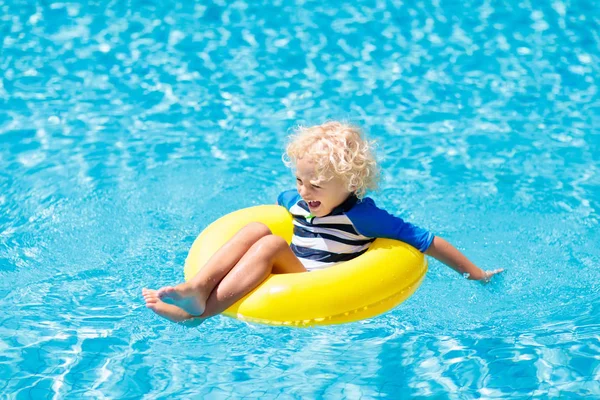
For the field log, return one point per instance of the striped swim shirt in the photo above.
(347, 232)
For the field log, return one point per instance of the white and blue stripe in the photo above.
(320, 242)
(347, 232)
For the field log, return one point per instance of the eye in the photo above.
(298, 181)
(316, 187)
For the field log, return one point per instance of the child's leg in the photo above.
(208, 277)
(271, 254)
(168, 311)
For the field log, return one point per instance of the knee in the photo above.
(270, 244)
(258, 229)
(254, 231)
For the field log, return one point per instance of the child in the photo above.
(333, 222)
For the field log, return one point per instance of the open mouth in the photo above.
(313, 204)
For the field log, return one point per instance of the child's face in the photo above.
(320, 195)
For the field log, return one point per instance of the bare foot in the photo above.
(186, 297)
(168, 311)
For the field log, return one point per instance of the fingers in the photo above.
(488, 274)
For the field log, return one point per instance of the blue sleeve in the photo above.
(371, 221)
(288, 198)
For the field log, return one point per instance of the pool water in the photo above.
(127, 127)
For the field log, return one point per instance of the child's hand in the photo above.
(449, 255)
(487, 275)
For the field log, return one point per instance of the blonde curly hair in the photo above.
(338, 149)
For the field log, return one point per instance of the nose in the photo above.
(303, 191)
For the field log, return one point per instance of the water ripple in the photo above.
(125, 128)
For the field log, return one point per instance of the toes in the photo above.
(165, 291)
(148, 292)
(151, 305)
(150, 296)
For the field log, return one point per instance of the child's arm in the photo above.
(449, 255)
(371, 221)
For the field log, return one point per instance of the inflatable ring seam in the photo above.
(322, 320)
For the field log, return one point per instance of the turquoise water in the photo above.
(127, 127)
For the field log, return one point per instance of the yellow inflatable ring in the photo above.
(373, 283)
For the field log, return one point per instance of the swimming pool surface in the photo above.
(127, 127)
